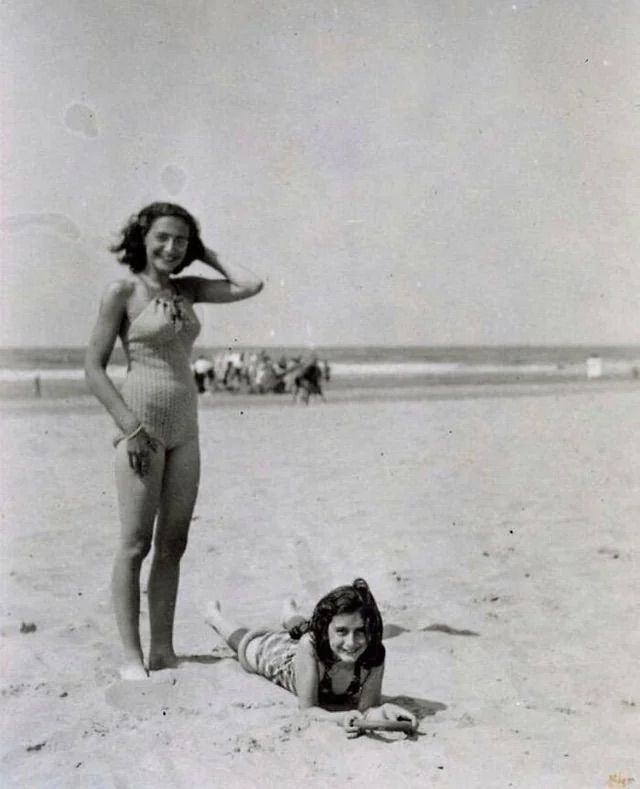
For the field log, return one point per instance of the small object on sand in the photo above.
(28, 627)
(384, 725)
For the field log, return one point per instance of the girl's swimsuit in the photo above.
(275, 659)
(159, 387)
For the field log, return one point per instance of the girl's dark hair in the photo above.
(131, 250)
(345, 600)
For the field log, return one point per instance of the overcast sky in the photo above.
(399, 171)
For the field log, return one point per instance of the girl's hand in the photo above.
(347, 723)
(139, 449)
(393, 712)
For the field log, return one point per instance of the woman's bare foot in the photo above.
(290, 615)
(161, 660)
(133, 669)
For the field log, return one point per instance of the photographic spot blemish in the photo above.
(82, 119)
(173, 178)
(59, 224)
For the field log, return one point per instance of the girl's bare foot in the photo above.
(214, 614)
(290, 615)
(218, 621)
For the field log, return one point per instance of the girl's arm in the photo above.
(238, 283)
(113, 310)
(307, 682)
(371, 693)
(371, 701)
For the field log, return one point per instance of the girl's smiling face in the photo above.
(166, 243)
(347, 636)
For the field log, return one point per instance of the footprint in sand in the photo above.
(403, 580)
(314, 568)
(606, 550)
(159, 695)
(82, 119)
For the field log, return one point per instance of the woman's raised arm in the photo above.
(238, 283)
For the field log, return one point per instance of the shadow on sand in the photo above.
(421, 708)
(203, 658)
(391, 631)
(451, 631)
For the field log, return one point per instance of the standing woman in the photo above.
(157, 451)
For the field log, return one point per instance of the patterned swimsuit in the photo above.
(275, 660)
(159, 387)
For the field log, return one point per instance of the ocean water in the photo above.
(56, 358)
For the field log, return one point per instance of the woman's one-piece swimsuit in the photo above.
(275, 660)
(159, 386)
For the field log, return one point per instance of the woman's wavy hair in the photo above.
(345, 600)
(131, 250)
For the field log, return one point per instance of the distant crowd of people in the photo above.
(255, 372)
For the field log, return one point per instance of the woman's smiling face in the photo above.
(347, 636)
(166, 243)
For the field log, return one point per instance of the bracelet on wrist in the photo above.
(135, 432)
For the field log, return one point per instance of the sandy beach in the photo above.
(498, 533)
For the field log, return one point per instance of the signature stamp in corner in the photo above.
(617, 780)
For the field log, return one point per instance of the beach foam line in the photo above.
(63, 374)
(436, 368)
(338, 370)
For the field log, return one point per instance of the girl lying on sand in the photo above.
(333, 662)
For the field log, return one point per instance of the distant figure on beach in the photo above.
(307, 382)
(333, 662)
(157, 452)
(203, 373)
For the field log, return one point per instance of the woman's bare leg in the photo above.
(178, 497)
(138, 499)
